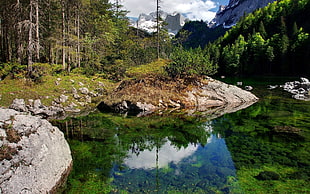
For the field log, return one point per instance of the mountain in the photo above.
(199, 34)
(229, 15)
(174, 22)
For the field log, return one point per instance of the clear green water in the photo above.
(176, 153)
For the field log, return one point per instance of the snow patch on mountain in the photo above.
(173, 22)
(230, 14)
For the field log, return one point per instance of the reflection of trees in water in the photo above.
(99, 140)
(255, 138)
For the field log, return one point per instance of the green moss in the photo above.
(250, 184)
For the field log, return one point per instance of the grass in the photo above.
(156, 68)
(145, 83)
(48, 90)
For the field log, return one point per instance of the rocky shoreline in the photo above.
(201, 95)
(35, 156)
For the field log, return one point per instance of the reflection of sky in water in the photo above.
(147, 159)
(167, 153)
(195, 166)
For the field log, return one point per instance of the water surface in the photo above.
(261, 149)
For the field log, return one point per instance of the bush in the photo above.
(191, 62)
(42, 69)
(12, 69)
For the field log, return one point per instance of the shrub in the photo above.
(191, 62)
(12, 69)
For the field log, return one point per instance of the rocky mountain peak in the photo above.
(230, 14)
(174, 22)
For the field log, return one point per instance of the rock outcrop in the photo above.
(34, 155)
(202, 95)
(300, 90)
(229, 15)
(35, 107)
(174, 22)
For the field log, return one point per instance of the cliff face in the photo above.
(174, 22)
(229, 15)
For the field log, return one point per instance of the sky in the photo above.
(194, 9)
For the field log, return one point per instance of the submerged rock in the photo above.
(34, 155)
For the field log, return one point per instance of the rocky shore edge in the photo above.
(205, 95)
(34, 155)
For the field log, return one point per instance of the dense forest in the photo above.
(271, 41)
(94, 37)
(199, 34)
(83, 36)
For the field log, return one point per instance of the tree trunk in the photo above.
(30, 38)
(1, 42)
(19, 43)
(37, 31)
(63, 36)
(68, 39)
(78, 38)
(19, 33)
(157, 25)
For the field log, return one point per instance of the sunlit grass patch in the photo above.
(49, 88)
(156, 68)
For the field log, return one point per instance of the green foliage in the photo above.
(42, 69)
(156, 69)
(196, 34)
(14, 70)
(86, 37)
(193, 62)
(271, 36)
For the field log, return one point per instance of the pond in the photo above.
(261, 149)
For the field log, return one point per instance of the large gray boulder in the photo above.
(34, 155)
(216, 98)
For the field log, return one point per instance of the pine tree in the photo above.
(262, 30)
(295, 29)
(158, 26)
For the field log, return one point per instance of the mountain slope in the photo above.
(201, 33)
(229, 15)
(274, 40)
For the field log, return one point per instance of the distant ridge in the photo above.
(174, 22)
(229, 15)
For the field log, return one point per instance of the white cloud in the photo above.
(194, 9)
